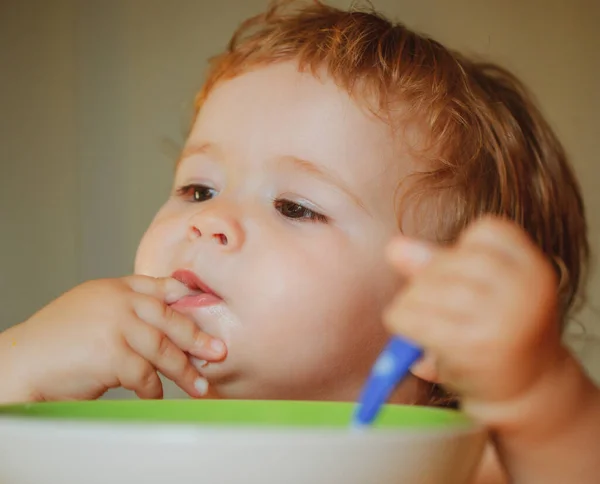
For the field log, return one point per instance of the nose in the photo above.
(218, 226)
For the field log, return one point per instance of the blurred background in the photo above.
(96, 97)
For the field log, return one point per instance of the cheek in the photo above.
(156, 247)
(317, 310)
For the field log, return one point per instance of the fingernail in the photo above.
(218, 346)
(416, 252)
(201, 386)
(198, 363)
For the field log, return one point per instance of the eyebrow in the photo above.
(200, 149)
(293, 162)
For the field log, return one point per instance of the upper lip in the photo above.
(192, 281)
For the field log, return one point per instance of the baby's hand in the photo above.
(105, 334)
(485, 310)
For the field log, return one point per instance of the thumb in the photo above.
(408, 255)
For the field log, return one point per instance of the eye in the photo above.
(295, 211)
(196, 193)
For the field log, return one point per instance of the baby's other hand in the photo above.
(105, 334)
(485, 310)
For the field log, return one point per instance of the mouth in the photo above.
(201, 295)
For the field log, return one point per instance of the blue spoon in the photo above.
(389, 370)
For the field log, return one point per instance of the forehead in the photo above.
(277, 110)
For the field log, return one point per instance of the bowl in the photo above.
(233, 441)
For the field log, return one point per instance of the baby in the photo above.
(338, 163)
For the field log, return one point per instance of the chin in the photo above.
(244, 389)
(234, 386)
(236, 389)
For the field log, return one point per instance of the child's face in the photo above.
(302, 295)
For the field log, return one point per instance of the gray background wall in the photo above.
(95, 97)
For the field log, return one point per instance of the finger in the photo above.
(503, 255)
(479, 268)
(459, 298)
(156, 348)
(165, 289)
(421, 323)
(500, 235)
(179, 329)
(138, 375)
(409, 256)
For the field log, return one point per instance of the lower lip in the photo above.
(197, 301)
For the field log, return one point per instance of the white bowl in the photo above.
(217, 441)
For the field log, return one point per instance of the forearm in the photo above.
(553, 435)
(13, 380)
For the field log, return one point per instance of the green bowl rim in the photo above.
(236, 413)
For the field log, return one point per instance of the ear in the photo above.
(426, 369)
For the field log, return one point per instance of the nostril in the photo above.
(221, 239)
(196, 232)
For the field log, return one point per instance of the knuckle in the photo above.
(161, 282)
(113, 284)
(139, 305)
(188, 372)
(150, 309)
(167, 314)
(489, 226)
(162, 311)
(162, 345)
(139, 283)
(132, 279)
(143, 373)
(149, 379)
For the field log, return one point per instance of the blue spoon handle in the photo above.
(389, 370)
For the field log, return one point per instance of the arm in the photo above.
(554, 456)
(552, 434)
(13, 388)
